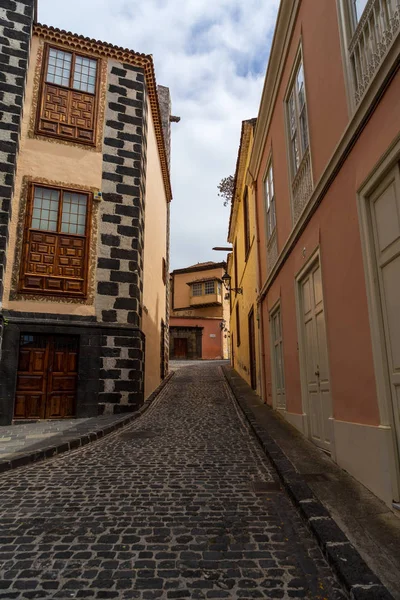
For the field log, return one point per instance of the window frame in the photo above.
(200, 284)
(292, 89)
(70, 89)
(206, 293)
(26, 239)
(269, 202)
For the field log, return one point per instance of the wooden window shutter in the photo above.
(56, 242)
(68, 105)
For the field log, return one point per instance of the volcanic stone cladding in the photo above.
(121, 236)
(16, 20)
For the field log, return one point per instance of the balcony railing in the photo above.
(377, 29)
(302, 185)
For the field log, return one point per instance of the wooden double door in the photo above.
(47, 377)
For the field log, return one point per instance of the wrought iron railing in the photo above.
(376, 31)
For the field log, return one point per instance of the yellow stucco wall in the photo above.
(155, 249)
(55, 162)
(247, 280)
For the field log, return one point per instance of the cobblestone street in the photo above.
(180, 504)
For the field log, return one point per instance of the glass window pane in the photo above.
(59, 67)
(300, 86)
(209, 287)
(197, 289)
(85, 74)
(360, 6)
(45, 213)
(304, 131)
(73, 221)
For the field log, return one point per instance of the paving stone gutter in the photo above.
(353, 572)
(97, 429)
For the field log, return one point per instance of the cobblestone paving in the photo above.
(170, 507)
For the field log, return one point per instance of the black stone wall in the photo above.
(16, 20)
(120, 257)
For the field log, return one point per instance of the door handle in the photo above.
(317, 372)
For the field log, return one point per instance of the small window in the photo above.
(219, 287)
(297, 119)
(270, 201)
(197, 289)
(68, 106)
(55, 249)
(209, 287)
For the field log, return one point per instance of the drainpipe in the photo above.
(261, 341)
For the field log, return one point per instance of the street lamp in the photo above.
(226, 280)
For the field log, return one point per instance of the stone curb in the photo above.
(351, 569)
(85, 438)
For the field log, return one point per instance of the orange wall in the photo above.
(334, 226)
(211, 347)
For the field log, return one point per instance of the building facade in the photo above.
(325, 166)
(242, 267)
(199, 313)
(86, 174)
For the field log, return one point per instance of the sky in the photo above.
(212, 54)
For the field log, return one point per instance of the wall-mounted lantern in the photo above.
(226, 280)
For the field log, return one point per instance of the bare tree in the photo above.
(226, 187)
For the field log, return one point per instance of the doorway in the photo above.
(252, 351)
(314, 357)
(180, 348)
(47, 377)
(384, 206)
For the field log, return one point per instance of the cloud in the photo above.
(212, 54)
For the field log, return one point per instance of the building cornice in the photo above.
(279, 48)
(105, 50)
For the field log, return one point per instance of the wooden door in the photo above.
(385, 211)
(180, 347)
(277, 361)
(30, 398)
(47, 377)
(252, 351)
(316, 358)
(62, 377)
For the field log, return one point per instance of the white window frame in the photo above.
(269, 199)
(296, 131)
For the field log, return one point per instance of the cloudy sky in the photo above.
(212, 54)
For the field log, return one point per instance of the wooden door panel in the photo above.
(47, 377)
(316, 358)
(180, 347)
(62, 378)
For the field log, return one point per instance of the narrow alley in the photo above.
(180, 504)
